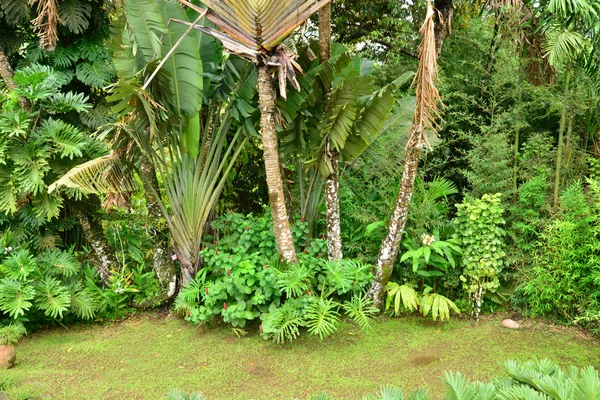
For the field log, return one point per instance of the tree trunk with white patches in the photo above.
(281, 225)
(162, 263)
(332, 187)
(332, 202)
(389, 247)
(94, 234)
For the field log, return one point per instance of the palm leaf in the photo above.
(101, 175)
(147, 24)
(184, 64)
(260, 24)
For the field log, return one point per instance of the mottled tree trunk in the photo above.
(332, 187)
(389, 247)
(162, 263)
(94, 234)
(443, 22)
(332, 202)
(6, 73)
(281, 225)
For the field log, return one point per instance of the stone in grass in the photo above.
(512, 322)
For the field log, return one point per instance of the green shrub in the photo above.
(242, 280)
(478, 224)
(11, 334)
(564, 277)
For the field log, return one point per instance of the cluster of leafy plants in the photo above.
(565, 274)
(527, 381)
(242, 280)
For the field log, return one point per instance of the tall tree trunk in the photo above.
(94, 235)
(561, 131)
(426, 109)
(332, 187)
(162, 263)
(391, 243)
(6, 73)
(281, 225)
(568, 144)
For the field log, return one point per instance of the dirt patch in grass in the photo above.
(142, 358)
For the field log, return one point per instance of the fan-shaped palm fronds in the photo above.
(259, 25)
(107, 174)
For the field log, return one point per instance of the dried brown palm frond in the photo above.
(427, 95)
(45, 23)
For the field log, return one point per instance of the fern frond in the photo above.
(97, 116)
(47, 206)
(75, 14)
(96, 75)
(15, 297)
(31, 165)
(65, 138)
(360, 309)
(59, 262)
(8, 199)
(283, 323)
(65, 102)
(52, 297)
(64, 57)
(18, 265)
(458, 387)
(84, 302)
(293, 281)
(15, 11)
(322, 317)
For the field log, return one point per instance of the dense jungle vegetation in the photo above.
(282, 168)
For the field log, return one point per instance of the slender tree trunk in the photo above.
(332, 186)
(281, 225)
(389, 247)
(94, 235)
(516, 150)
(6, 73)
(325, 32)
(494, 46)
(162, 263)
(561, 131)
(568, 144)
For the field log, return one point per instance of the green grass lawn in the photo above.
(142, 358)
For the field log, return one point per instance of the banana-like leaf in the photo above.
(260, 24)
(105, 174)
(145, 20)
(184, 64)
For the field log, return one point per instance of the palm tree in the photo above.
(427, 99)
(255, 30)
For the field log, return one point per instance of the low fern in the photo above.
(322, 317)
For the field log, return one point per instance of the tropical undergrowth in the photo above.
(243, 281)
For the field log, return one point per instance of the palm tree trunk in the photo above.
(281, 225)
(6, 73)
(391, 243)
(94, 235)
(561, 131)
(162, 264)
(516, 149)
(332, 187)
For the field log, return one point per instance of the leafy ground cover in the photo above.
(143, 357)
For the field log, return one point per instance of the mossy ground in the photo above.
(143, 357)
